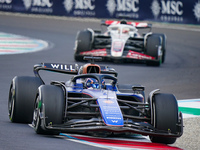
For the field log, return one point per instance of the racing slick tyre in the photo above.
(153, 42)
(83, 43)
(48, 109)
(21, 98)
(164, 41)
(165, 116)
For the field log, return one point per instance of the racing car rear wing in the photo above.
(55, 67)
(67, 69)
(138, 25)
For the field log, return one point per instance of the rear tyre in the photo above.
(21, 98)
(165, 116)
(83, 43)
(49, 109)
(153, 41)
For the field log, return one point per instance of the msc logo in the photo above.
(39, 3)
(5, 4)
(127, 5)
(167, 7)
(79, 4)
(172, 7)
(197, 11)
(168, 10)
(122, 5)
(6, 1)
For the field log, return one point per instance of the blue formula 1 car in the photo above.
(92, 101)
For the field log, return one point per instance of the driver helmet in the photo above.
(123, 22)
(92, 83)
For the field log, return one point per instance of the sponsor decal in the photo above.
(68, 4)
(62, 67)
(112, 118)
(6, 4)
(127, 8)
(108, 101)
(111, 5)
(39, 6)
(98, 52)
(197, 10)
(80, 7)
(155, 7)
(117, 46)
(167, 10)
(110, 110)
(114, 121)
(136, 55)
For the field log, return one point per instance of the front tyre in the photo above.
(21, 98)
(165, 116)
(164, 45)
(49, 109)
(83, 43)
(153, 48)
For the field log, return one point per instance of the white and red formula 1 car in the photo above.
(122, 42)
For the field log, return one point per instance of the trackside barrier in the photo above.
(171, 11)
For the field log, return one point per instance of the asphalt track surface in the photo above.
(180, 74)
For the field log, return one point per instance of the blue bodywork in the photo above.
(111, 108)
(106, 97)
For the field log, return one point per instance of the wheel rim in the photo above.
(154, 117)
(36, 113)
(154, 120)
(160, 56)
(11, 102)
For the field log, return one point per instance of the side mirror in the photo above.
(138, 88)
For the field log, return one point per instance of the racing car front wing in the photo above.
(98, 125)
(127, 56)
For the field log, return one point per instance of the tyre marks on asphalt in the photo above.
(14, 44)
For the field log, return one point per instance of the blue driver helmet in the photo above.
(92, 83)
